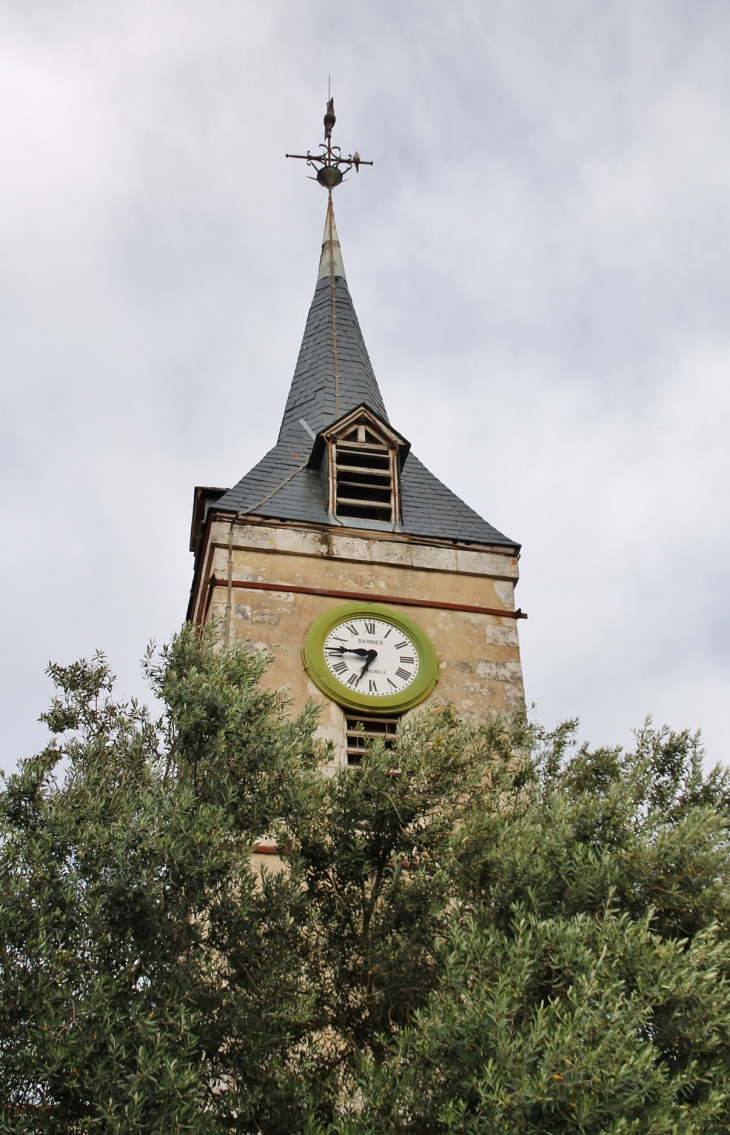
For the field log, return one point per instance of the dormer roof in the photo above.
(363, 413)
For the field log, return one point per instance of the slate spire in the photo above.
(333, 374)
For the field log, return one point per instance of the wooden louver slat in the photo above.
(361, 731)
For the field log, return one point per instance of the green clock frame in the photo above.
(324, 679)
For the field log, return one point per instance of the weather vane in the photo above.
(329, 163)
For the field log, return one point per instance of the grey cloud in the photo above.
(539, 260)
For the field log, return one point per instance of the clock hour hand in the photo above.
(372, 654)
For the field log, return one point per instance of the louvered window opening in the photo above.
(360, 732)
(364, 478)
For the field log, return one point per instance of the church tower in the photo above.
(375, 588)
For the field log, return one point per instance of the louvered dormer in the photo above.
(360, 458)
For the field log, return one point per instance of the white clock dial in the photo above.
(371, 656)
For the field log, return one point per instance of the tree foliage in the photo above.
(482, 930)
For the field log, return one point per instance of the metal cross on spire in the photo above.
(329, 163)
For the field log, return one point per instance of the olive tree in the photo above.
(477, 930)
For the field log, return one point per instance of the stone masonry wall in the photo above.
(479, 657)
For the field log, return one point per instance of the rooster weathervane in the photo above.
(329, 163)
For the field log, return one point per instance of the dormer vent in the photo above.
(363, 468)
(360, 458)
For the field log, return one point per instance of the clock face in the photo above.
(368, 657)
(371, 655)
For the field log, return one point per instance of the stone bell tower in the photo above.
(374, 587)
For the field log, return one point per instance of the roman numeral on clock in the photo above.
(370, 628)
(407, 658)
(400, 645)
(403, 674)
(351, 628)
(372, 688)
(339, 667)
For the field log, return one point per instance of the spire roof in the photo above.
(333, 376)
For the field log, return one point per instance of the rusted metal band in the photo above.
(368, 597)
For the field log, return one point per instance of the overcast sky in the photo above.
(539, 261)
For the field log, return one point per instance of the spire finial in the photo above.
(329, 162)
